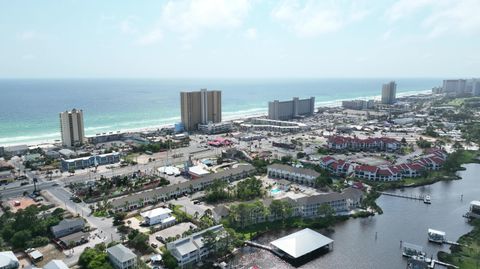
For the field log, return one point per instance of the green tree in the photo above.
(169, 261)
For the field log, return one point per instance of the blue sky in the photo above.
(239, 38)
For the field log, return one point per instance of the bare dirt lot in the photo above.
(24, 203)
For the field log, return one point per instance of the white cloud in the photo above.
(192, 17)
(313, 18)
(251, 33)
(441, 16)
(150, 38)
(126, 26)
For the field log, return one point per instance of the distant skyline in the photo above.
(239, 39)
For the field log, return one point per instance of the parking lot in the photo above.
(189, 207)
(173, 231)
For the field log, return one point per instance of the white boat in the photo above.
(436, 236)
(427, 199)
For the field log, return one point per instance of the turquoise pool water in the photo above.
(275, 191)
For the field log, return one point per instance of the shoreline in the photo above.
(232, 116)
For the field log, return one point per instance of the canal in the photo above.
(356, 245)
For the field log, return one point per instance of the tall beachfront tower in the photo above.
(389, 93)
(200, 107)
(72, 128)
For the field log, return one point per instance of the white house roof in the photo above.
(186, 247)
(198, 170)
(301, 242)
(55, 264)
(7, 259)
(156, 212)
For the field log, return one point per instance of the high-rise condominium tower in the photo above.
(71, 127)
(200, 107)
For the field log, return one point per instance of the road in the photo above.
(150, 167)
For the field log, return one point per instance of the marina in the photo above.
(360, 241)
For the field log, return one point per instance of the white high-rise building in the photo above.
(389, 93)
(72, 128)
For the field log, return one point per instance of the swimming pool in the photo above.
(275, 191)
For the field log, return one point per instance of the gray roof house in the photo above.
(67, 226)
(122, 257)
(55, 264)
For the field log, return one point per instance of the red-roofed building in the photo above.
(366, 172)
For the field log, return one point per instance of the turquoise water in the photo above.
(29, 107)
(275, 191)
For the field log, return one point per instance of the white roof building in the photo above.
(55, 264)
(301, 243)
(8, 260)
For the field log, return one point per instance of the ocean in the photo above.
(29, 107)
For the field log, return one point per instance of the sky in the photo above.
(239, 38)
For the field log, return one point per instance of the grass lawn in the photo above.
(456, 102)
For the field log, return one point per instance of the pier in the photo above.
(265, 247)
(406, 196)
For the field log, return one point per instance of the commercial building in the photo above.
(200, 107)
(287, 110)
(16, 150)
(215, 128)
(8, 260)
(389, 93)
(299, 175)
(122, 257)
(141, 199)
(72, 128)
(67, 226)
(192, 249)
(159, 215)
(90, 161)
(358, 104)
(259, 124)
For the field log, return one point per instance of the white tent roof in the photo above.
(301, 242)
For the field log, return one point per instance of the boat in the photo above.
(435, 236)
(410, 250)
(427, 199)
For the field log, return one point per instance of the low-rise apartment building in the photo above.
(138, 200)
(90, 161)
(192, 249)
(294, 174)
(369, 144)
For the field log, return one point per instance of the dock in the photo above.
(406, 196)
(265, 247)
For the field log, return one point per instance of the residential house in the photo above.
(192, 249)
(122, 257)
(67, 227)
